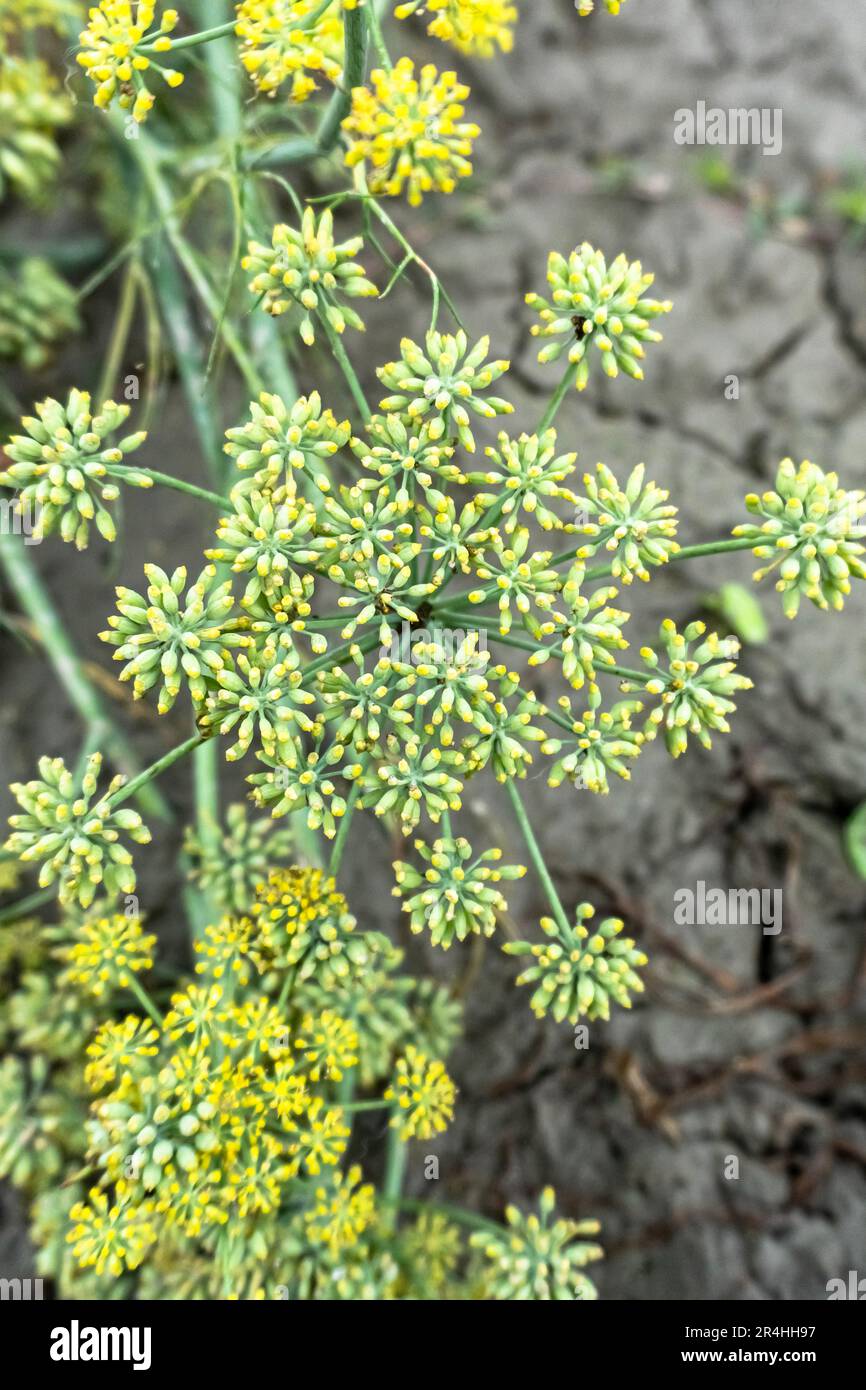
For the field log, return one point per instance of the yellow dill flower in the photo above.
(322, 1141)
(32, 106)
(196, 1011)
(410, 129)
(282, 41)
(108, 952)
(111, 1238)
(472, 26)
(118, 1046)
(111, 53)
(229, 946)
(330, 1044)
(424, 1095)
(340, 1213)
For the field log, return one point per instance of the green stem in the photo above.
(156, 769)
(189, 41)
(538, 859)
(166, 480)
(356, 1106)
(395, 1166)
(376, 35)
(162, 199)
(144, 999)
(37, 604)
(346, 367)
(557, 398)
(343, 832)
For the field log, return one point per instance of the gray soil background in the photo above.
(744, 1045)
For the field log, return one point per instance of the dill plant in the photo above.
(189, 1133)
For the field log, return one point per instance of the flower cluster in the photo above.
(472, 26)
(411, 131)
(62, 465)
(305, 269)
(116, 48)
(810, 534)
(455, 895)
(107, 949)
(596, 303)
(580, 971)
(634, 524)
(289, 41)
(74, 833)
(537, 1258)
(423, 1095)
(696, 689)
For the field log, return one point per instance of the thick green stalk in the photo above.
(37, 604)
(395, 1166)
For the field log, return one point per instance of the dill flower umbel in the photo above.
(306, 269)
(444, 380)
(341, 1211)
(582, 971)
(593, 302)
(168, 636)
(289, 41)
(62, 465)
(472, 26)
(695, 691)
(279, 440)
(811, 535)
(112, 1235)
(423, 1095)
(112, 52)
(108, 949)
(76, 837)
(531, 473)
(536, 1259)
(633, 523)
(229, 866)
(454, 897)
(410, 131)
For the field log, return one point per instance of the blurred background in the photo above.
(744, 1045)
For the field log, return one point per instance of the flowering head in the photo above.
(106, 949)
(116, 49)
(479, 27)
(74, 833)
(410, 131)
(423, 1095)
(593, 303)
(289, 41)
(444, 381)
(633, 524)
(581, 971)
(62, 465)
(307, 271)
(538, 1259)
(455, 895)
(696, 690)
(810, 535)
